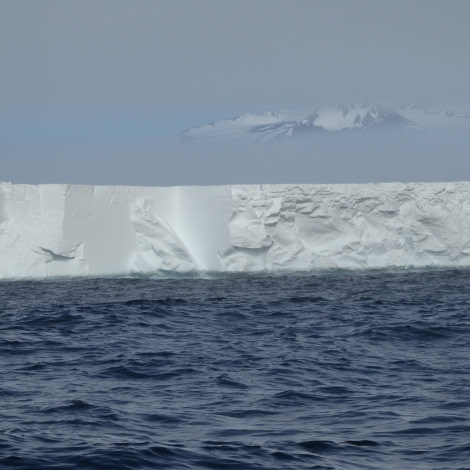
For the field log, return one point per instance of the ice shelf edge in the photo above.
(54, 231)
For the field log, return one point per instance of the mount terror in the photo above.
(271, 125)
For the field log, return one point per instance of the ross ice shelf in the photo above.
(49, 231)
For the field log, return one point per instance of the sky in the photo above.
(93, 91)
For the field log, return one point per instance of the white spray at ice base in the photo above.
(51, 231)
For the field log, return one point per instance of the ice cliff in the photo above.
(66, 230)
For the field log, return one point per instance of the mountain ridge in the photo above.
(273, 125)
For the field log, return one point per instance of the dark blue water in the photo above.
(340, 371)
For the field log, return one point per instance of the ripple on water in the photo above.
(340, 370)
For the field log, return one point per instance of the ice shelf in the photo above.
(49, 231)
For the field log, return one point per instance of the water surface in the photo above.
(333, 371)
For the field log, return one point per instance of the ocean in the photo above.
(339, 370)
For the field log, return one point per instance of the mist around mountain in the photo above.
(348, 144)
(281, 125)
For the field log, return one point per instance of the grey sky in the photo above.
(78, 75)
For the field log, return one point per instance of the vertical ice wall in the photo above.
(202, 221)
(66, 230)
(306, 227)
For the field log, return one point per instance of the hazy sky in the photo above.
(89, 88)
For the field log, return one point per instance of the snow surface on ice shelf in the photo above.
(49, 231)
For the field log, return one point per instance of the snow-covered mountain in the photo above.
(271, 125)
